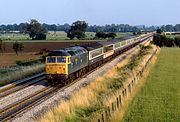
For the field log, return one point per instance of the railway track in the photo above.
(21, 84)
(11, 111)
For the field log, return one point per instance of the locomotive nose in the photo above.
(55, 68)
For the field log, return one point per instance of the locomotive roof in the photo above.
(58, 53)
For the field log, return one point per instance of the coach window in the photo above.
(108, 48)
(117, 45)
(123, 43)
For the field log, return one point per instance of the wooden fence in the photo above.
(120, 98)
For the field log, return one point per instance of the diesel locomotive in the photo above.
(65, 65)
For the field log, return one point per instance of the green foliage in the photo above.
(105, 35)
(84, 114)
(35, 30)
(1, 45)
(18, 47)
(177, 41)
(100, 35)
(54, 36)
(159, 31)
(77, 30)
(164, 41)
(11, 74)
(116, 83)
(28, 63)
(159, 99)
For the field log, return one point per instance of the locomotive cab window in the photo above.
(51, 60)
(61, 60)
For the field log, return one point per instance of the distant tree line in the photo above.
(170, 28)
(164, 41)
(95, 28)
(90, 28)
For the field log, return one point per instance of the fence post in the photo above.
(129, 87)
(107, 116)
(102, 117)
(117, 100)
(112, 107)
(120, 100)
(109, 111)
(99, 120)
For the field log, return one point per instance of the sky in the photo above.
(99, 12)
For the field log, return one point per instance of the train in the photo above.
(65, 65)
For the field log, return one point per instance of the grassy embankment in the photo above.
(52, 36)
(11, 74)
(89, 100)
(28, 64)
(159, 99)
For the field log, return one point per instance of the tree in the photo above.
(177, 41)
(100, 35)
(169, 28)
(111, 35)
(177, 27)
(159, 31)
(35, 30)
(18, 47)
(139, 33)
(1, 45)
(77, 30)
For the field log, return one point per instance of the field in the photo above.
(9, 59)
(52, 36)
(37, 46)
(159, 100)
(55, 41)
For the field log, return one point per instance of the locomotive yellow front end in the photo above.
(56, 67)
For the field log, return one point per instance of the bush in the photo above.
(177, 41)
(28, 63)
(105, 35)
(18, 47)
(163, 41)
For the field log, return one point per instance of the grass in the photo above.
(159, 99)
(92, 99)
(9, 75)
(53, 36)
